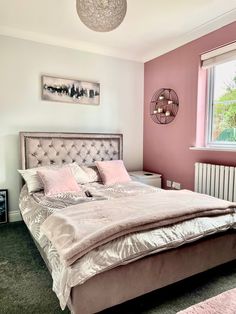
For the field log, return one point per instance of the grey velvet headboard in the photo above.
(48, 148)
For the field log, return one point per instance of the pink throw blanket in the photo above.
(78, 229)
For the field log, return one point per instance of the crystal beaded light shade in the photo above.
(102, 15)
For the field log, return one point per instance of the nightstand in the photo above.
(146, 177)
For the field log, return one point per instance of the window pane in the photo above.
(224, 103)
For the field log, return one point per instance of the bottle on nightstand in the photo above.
(149, 178)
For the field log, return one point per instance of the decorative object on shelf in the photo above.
(101, 15)
(3, 206)
(69, 90)
(164, 106)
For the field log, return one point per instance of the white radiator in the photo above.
(215, 180)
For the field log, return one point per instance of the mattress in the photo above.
(36, 208)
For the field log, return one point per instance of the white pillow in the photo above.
(34, 182)
(79, 174)
(92, 174)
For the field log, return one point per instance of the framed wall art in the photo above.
(3, 206)
(70, 90)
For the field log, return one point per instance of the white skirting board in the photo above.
(14, 216)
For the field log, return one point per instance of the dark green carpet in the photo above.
(25, 284)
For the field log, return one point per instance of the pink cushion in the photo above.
(112, 172)
(58, 181)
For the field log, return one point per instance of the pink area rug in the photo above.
(224, 303)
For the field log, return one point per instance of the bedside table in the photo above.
(146, 177)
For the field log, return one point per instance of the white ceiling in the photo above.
(150, 28)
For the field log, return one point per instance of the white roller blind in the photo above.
(218, 56)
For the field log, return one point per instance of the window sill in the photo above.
(214, 149)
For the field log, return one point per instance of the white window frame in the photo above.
(210, 103)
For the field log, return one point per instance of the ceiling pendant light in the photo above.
(101, 15)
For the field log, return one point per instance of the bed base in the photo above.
(150, 273)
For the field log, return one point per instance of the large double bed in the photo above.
(134, 263)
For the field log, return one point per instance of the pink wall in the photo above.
(166, 147)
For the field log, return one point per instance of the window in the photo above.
(216, 117)
(222, 105)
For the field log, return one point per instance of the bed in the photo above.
(113, 284)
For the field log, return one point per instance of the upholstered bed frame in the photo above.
(43, 149)
(142, 276)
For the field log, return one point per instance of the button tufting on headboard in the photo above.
(41, 149)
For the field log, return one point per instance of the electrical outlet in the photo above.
(176, 185)
(168, 183)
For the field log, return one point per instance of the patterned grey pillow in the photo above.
(32, 180)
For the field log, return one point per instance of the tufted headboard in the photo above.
(43, 148)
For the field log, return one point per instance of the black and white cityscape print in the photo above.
(3, 206)
(69, 90)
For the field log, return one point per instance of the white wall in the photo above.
(21, 109)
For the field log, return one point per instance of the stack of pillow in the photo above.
(62, 179)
